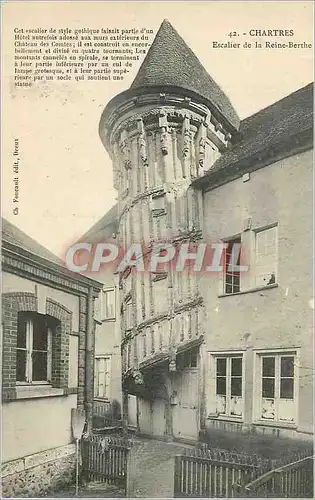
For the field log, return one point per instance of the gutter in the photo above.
(89, 361)
(9, 249)
(290, 146)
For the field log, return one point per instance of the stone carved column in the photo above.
(142, 147)
(201, 149)
(125, 149)
(163, 125)
(186, 145)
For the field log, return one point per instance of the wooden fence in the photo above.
(214, 473)
(102, 408)
(221, 474)
(104, 420)
(294, 480)
(104, 459)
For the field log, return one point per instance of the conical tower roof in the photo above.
(170, 66)
(170, 62)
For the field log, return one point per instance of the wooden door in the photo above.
(186, 411)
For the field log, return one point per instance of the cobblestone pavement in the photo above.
(151, 473)
(91, 490)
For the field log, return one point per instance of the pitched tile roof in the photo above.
(104, 227)
(263, 133)
(170, 62)
(14, 235)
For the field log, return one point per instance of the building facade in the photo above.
(47, 364)
(107, 370)
(218, 350)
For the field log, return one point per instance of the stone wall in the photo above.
(37, 475)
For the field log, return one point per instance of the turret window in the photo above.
(158, 204)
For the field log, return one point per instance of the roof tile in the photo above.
(170, 62)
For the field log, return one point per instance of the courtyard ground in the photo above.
(91, 490)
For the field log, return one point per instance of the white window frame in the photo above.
(108, 361)
(103, 309)
(258, 398)
(227, 241)
(212, 394)
(256, 265)
(29, 355)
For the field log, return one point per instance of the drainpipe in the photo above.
(89, 361)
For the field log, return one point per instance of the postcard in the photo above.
(157, 229)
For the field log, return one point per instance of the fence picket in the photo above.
(215, 474)
(105, 459)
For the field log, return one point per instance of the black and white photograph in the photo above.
(157, 249)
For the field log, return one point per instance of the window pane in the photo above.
(268, 387)
(236, 406)
(232, 258)
(286, 388)
(109, 304)
(193, 359)
(286, 410)
(39, 332)
(221, 385)
(228, 279)
(221, 366)
(39, 366)
(20, 365)
(287, 366)
(268, 409)
(236, 386)
(268, 367)
(236, 369)
(21, 331)
(186, 359)
(221, 405)
(233, 254)
(236, 283)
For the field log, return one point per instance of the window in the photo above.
(277, 387)
(266, 256)
(34, 348)
(229, 386)
(232, 257)
(188, 359)
(108, 304)
(158, 204)
(102, 377)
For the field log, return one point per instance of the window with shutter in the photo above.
(108, 304)
(231, 258)
(102, 377)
